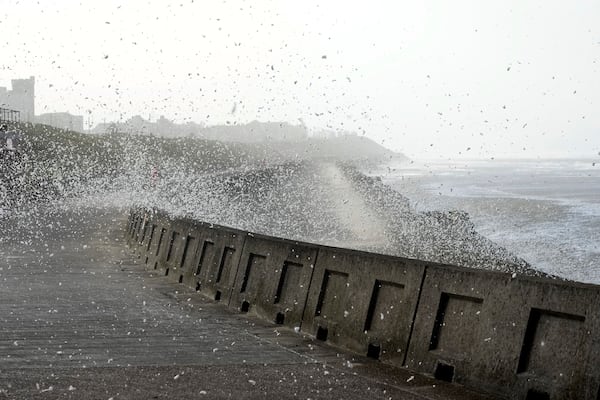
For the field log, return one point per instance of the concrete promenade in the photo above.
(80, 318)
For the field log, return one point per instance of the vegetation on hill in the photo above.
(53, 162)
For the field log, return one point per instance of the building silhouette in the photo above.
(21, 98)
(62, 120)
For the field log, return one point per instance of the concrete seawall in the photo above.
(513, 336)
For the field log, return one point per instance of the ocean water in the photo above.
(545, 211)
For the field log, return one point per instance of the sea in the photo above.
(544, 211)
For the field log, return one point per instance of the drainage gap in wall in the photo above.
(155, 265)
(166, 271)
(188, 240)
(146, 262)
(279, 318)
(144, 231)
(533, 394)
(255, 261)
(197, 286)
(151, 236)
(160, 239)
(218, 295)
(245, 306)
(444, 372)
(373, 351)
(172, 244)
(180, 278)
(322, 333)
(225, 261)
(207, 247)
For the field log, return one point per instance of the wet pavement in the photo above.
(80, 317)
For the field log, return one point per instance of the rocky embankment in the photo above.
(335, 204)
(444, 237)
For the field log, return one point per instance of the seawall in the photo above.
(515, 336)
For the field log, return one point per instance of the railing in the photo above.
(8, 115)
(516, 337)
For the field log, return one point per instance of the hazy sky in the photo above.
(432, 79)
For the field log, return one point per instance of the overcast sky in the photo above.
(434, 79)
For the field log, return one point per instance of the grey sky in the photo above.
(432, 79)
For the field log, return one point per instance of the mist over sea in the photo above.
(545, 211)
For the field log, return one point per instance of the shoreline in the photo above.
(547, 215)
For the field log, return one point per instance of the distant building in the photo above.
(103, 127)
(20, 98)
(140, 126)
(256, 131)
(137, 125)
(251, 132)
(62, 120)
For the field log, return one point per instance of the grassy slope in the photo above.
(54, 162)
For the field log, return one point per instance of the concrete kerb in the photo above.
(274, 278)
(364, 302)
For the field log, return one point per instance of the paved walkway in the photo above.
(80, 318)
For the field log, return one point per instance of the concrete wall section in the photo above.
(364, 302)
(133, 222)
(456, 323)
(516, 337)
(145, 221)
(201, 258)
(199, 255)
(215, 265)
(150, 243)
(193, 239)
(558, 348)
(274, 278)
(130, 224)
(519, 338)
(137, 226)
(182, 241)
